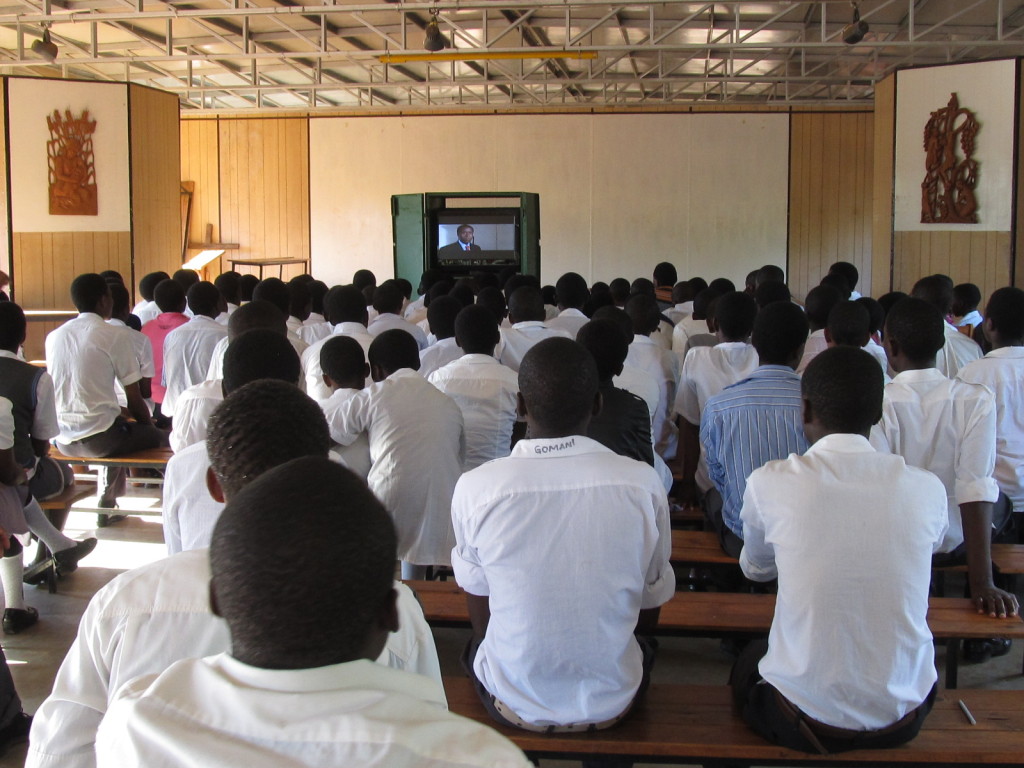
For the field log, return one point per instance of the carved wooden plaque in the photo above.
(951, 172)
(72, 168)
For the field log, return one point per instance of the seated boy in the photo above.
(298, 686)
(170, 300)
(345, 371)
(563, 550)
(958, 349)
(820, 301)
(966, 298)
(441, 316)
(188, 349)
(849, 325)
(527, 315)
(346, 311)
(571, 293)
(661, 364)
(849, 662)
(387, 301)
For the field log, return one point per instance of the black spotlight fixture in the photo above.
(45, 48)
(854, 32)
(435, 39)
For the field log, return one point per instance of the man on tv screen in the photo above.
(464, 243)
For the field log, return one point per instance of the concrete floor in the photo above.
(35, 654)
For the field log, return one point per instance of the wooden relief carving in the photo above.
(71, 162)
(947, 192)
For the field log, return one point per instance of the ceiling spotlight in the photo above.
(45, 48)
(435, 40)
(854, 32)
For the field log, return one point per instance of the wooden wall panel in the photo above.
(884, 151)
(830, 196)
(264, 188)
(982, 258)
(155, 169)
(200, 165)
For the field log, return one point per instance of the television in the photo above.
(465, 239)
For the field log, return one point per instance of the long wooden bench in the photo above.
(152, 458)
(698, 724)
(718, 614)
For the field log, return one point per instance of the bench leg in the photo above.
(952, 662)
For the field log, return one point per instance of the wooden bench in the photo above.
(152, 458)
(698, 724)
(717, 614)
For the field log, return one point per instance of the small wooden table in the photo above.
(261, 263)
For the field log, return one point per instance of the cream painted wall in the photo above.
(989, 90)
(30, 101)
(618, 192)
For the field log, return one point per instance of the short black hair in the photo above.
(918, 327)
(844, 386)
(463, 291)
(848, 271)
(849, 324)
(598, 298)
(428, 278)
(887, 300)
(750, 283)
(149, 282)
(619, 289)
(770, 272)
(665, 274)
(387, 298)
(526, 304)
(112, 276)
(517, 281)
(260, 354)
(698, 284)
(300, 302)
(967, 295)
(186, 278)
(246, 285)
(363, 278)
(734, 315)
(394, 349)
(476, 329)
(876, 314)
(323, 517)
(558, 380)
(819, 303)
(837, 281)
(937, 290)
(261, 425)
(203, 299)
(722, 285)
(1005, 311)
(275, 291)
(682, 292)
(229, 284)
(120, 298)
(643, 311)
(607, 344)
(345, 304)
(342, 357)
(779, 331)
(257, 314)
(87, 291)
(317, 291)
(485, 280)
(571, 290)
(404, 286)
(641, 287)
(494, 300)
(13, 326)
(702, 303)
(439, 288)
(441, 316)
(619, 317)
(169, 296)
(771, 291)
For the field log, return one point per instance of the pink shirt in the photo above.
(157, 330)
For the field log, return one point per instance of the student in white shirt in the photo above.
(441, 316)
(417, 447)
(563, 551)
(849, 662)
(387, 301)
(849, 325)
(819, 302)
(346, 311)
(229, 284)
(694, 325)
(188, 349)
(345, 371)
(966, 297)
(850, 273)
(147, 308)
(958, 349)
(571, 293)
(661, 364)
(949, 428)
(484, 389)
(300, 304)
(416, 310)
(526, 312)
(682, 300)
(298, 685)
(316, 327)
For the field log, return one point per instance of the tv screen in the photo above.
(474, 237)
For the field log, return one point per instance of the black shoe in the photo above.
(18, 619)
(978, 651)
(66, 560)
(102, 521)
(38, 573)
(16, 732)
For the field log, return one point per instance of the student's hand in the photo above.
(126, 413)
(994, 601)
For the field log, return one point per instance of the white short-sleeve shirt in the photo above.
(6, 424)
(516, 341)
(311, 370)
(192, 413)
(188, 351)
(663, 366)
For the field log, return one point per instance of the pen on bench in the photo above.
(967, 712)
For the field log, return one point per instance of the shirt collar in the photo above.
(1007, 352)
(449, 342)
(773, 372)
(11, 355)
(922, 374)
(571, 445)
(529, 324)
(639, 338)
(571, 312)
(116, 323)
(89, 317)
(350, 327)
(404, 373)
(476, 358)
(732, 345)
(842, 443)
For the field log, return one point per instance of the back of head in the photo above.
(441, 316)
(149, 283)
(734, 315)
(364, 278)
(342, 358)
(463, 291)
(849, 324)
(548, 292)
(1005, 311)
(262, 425)
(317, 293)
(571, 291)
(771, 291)
(722, 285)
(169, 296)
(485, 280)
(204, 299)
(780, 330)
(321, 515)
(387, 298)
(887, 300)
(917, 326)
(112, 276)
(665, 274)
(698, 284)
(345, 304)
(87, 291)
(393, 350)
(643, 312)
(526, 304)
(440, 288)
(966, 298)
(476, 330)
(260, 354)
(229, 284)
(641, 287)
(937, 290)
(607, 344)
(300, 302)
(599, 297)
(619, 317)
(847, 271)
(558, 381)
(770, 272)
(405, 287)
(274, 291)
(837, 281)
(246, 285)
(876, 314)
(702, 303)
(304, 278)
(750, 283)
(428, 278)
(619, 289)
(844, 387)
(120, 298)
(13, 326)
(186, 278)
(682, 293)
(257, 315)
(494, 300)
(517, 281)
(819, 302)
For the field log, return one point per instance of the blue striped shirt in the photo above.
(747, 425)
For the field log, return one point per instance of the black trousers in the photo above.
(119, 438)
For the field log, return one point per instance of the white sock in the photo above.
(41, 526)
(10, 574)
